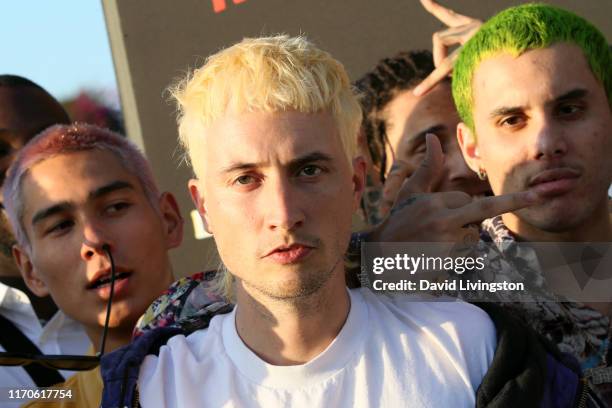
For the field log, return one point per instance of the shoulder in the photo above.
(434, 309)
(185, 297)
(198, 346)
(460, 322)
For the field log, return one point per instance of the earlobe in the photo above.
(28, 273)
(469, 147)
(173, 221)
(198, 201)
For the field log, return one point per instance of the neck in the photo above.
(292, 332)
(115, 338)
(596, 228)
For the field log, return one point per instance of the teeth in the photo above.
(105, 281)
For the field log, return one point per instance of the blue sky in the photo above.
(60, 44)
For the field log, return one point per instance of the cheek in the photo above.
(501, 161)
(596, 154)
(61, 273)
(227, 210)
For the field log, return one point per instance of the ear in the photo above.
(172, 220)
(359, 171)
(469, 147)
(28, 273)
(197, 196)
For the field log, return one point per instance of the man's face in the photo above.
(409, 118)
(543, 122)
(278, 194)
(74, 204)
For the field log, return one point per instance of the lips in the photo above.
(555, 181)
(553, 175)
(288, 254)
(102, 278)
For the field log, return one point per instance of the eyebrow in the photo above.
(432, 129)
(49, 211)
(67, 206)
(571, 95)
(111, 187)
(295, 163)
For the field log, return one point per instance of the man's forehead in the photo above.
(72, 176)
(538, 75)
(258, 137)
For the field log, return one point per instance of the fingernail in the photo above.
(417, 90)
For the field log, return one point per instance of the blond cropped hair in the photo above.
(268, 74)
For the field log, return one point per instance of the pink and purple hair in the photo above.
(62, 139)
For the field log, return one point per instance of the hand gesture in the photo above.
(460, 29)
(420, 215)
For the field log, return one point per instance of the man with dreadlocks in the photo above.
(396, 122)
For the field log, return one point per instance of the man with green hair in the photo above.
(533, 89)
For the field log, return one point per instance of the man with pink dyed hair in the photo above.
(76, 195)
(27, 322)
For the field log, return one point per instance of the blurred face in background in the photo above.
(408, 118)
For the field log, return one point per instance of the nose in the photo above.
(549, 141)
(283, 203)
(95, 241)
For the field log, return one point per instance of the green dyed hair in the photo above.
(523, 28)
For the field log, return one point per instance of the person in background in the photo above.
(72, 193)
(29, 323)
(534, 91)
(396, 123)
(521, 136)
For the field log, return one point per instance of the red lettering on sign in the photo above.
(220, 5)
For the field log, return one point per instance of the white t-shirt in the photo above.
(391, 352)
(61, 335)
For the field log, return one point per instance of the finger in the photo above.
(446, 15)
(427, 175)
(440, 48)
(399, 172)
(454, 199)
(442, 71)
(443, 40)
(488, 207)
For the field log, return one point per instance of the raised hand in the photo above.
(419, 215)
(460, 29)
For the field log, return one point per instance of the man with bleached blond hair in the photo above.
(269, 126)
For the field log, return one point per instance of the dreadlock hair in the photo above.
(379, 86)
